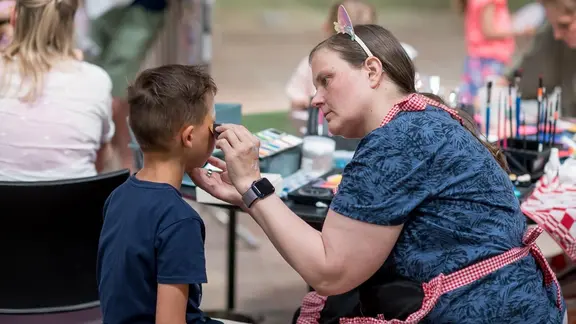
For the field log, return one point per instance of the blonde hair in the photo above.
(360, 12)
(43, 35)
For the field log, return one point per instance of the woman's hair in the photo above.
(396, 65)
(567, 6)
(360, 12)
(461, 5)
(43, 35)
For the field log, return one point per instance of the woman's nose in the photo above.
(317, 100)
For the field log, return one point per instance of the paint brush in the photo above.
(517, 79)
(499, 112)
(551, 132)
(510, 111)
(539, 112)
(545, 129)
(555, 117)
(488, 95)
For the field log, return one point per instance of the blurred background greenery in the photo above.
(323, 4)
(252, 10)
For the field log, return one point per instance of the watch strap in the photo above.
(249, 197)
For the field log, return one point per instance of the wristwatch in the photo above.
(260, 189)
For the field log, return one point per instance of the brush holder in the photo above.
(525, 156)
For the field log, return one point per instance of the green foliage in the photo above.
(279, 120)
(324, 4)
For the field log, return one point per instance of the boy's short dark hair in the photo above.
(164, 99)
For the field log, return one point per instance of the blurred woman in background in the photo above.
(490, 43)
(55, 110)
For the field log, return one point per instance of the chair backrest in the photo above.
(49, 239)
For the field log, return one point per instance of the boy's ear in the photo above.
(187, 136)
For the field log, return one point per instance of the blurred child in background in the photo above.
(300, 88)
(490, 43)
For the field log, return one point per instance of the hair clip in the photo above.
(344, 26)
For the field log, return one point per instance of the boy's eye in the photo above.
(324, 81)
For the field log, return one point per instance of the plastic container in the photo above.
(552, 167)
(342, 158)
(317, 154)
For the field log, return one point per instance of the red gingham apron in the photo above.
(313, 303)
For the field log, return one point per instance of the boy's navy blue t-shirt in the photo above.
(150, 236)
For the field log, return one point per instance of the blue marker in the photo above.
(488, 95)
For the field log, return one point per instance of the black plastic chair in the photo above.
(48, 243)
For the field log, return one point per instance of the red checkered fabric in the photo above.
(312, 305)
(446, 283)
(552, 206)
(416, 102)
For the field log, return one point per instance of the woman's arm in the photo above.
(345, 254)
(380, 187)
(107, 159)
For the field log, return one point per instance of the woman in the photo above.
(490, 42)
(552, 55)
(55, 110)
(421, 199)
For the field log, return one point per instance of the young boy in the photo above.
(151, 252)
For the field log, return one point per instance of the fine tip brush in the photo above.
(551, 132)
(545, 106)
(517, 80)
(539, 108)
(498, 121)
(510, 112)
(488, 95)
(555, 117)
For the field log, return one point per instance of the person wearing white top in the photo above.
(55, 110)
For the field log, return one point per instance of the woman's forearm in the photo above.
(106, 159)
(492, 34)
(299, 244)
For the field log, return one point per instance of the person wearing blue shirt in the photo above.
(151, 263)
(424, 226)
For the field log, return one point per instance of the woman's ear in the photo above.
(374, 68)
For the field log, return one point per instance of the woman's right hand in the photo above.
(240, 149)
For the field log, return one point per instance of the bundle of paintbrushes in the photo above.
(525, 155)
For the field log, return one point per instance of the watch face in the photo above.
(263, 188)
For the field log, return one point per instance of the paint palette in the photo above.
(273, 142)
(319, 190)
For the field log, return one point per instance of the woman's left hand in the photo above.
(217, 184)
(240, 149)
